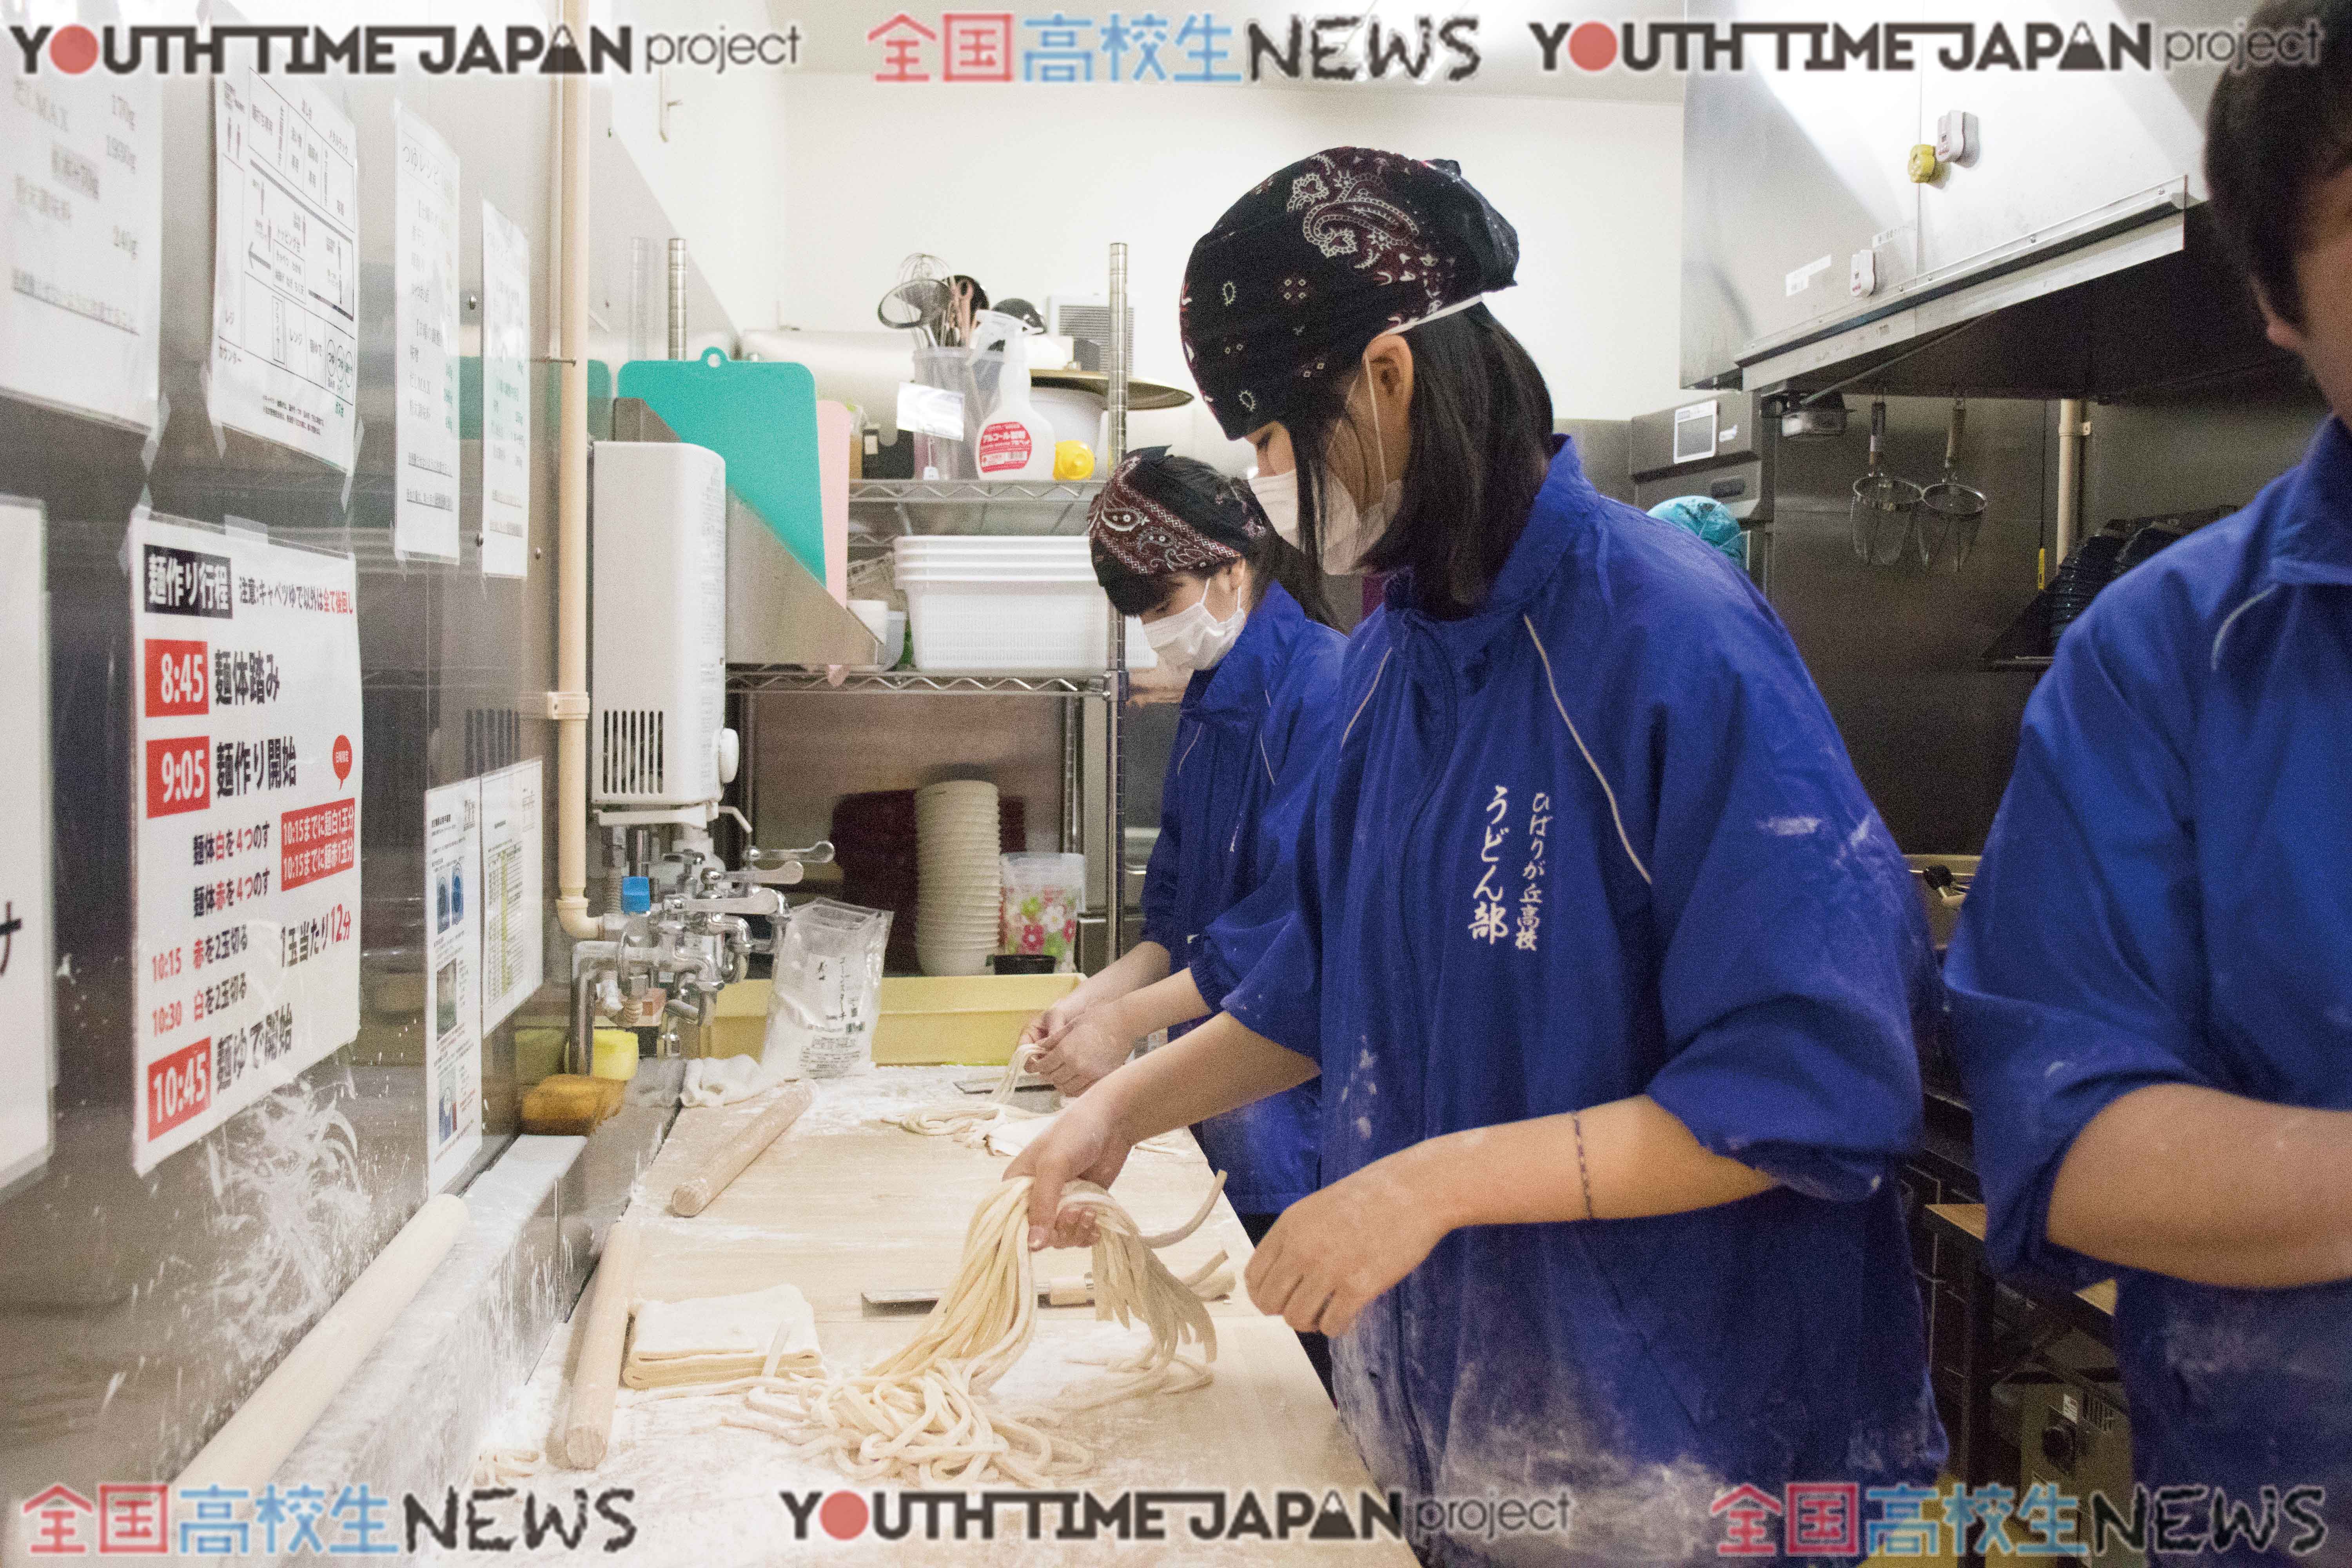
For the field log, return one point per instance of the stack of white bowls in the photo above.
(959, 895)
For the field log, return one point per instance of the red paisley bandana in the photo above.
(1159, 514)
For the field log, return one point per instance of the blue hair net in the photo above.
(1710, 519)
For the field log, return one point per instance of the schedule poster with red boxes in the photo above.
(246, 818)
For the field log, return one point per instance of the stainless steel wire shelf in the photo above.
(761, 678)
(967, 490)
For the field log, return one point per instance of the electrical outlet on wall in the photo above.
(1955, 138)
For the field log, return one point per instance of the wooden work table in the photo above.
(843, 1203)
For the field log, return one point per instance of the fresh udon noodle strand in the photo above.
(971, 1124)
(924, 1416)
(1015, 1068)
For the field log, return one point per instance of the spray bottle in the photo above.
(1014, 441)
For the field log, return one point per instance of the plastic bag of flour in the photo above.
(828, 991)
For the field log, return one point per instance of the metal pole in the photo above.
(1073, 775)
(1115, 364)
(1114, 792)
(1115, 676)
(677, 299)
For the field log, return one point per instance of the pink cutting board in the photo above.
(836, 428)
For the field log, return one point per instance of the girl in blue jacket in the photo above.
(1188, 552)
(1607, 969)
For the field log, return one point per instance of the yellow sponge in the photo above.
(617, 1054)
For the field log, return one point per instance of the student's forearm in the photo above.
(1217, 1068)
(1142, 965)
(1623, 1160)
(2210, 1187)
(1159, 1006)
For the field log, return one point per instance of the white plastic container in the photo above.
(1024, 606)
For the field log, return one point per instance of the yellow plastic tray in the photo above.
(974, 1018)
(926, 1020)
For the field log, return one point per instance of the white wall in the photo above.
(1024, 188)
(719, 174)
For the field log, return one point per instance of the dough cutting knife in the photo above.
(1210, 1281)
(988, 1085)
(1070, 1290)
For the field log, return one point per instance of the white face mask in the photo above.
(1347, 534)
(1277, 497)
(1193, 638)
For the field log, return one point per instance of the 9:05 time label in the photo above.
(179, 775)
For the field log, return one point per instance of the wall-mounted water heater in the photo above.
(659, 750)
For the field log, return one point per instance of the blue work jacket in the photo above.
(2167, 898)
(1247, 742)
(1600, 838)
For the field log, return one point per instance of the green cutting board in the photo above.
(760, 415)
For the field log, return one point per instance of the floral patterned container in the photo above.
(1043, 896)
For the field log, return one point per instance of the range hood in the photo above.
(2152, 312)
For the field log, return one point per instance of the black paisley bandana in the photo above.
(1325, 255)
(1159, 514)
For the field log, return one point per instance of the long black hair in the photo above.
(1271, 558)
(1480, 444)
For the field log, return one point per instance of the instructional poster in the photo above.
(29, 1044)
(83, 243)
(514, 955)
(424, 341)
(453, 979)
(285, 361)
(246, 813)
(506, 396)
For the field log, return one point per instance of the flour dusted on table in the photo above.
(1001, 1127)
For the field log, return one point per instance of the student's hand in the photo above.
(1055, 1019)
(1081, 1144)
(1088, 1051)
(1336, 1251)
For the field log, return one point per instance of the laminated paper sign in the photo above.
(81, 158)
(514, 937)
(424, 341)
(506, 396)
(27, 1043)
(286, 265)
(453, 979)
(246, 814)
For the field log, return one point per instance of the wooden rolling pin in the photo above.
(597, 1374)
(695, 1194)
(246, 1451)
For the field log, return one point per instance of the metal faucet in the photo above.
(694, 941)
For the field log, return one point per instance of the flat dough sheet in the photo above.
(714, 1339)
